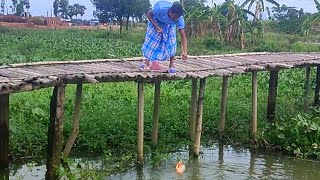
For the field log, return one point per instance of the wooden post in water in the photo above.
(198, 129)
(306, 89)
(272, 97)
(193, 108)
(75, 122)
(140, 123)
(4, 131)
(55, 131)
(254, 103)
(317, 89)
(156, 108)
(223, 104)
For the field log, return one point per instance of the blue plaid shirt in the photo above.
(160, 12)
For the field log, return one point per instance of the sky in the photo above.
(44, 7)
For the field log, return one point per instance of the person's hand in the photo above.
(185, 57)
(159, 29)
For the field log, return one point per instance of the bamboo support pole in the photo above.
(272, 97)
(140, 123)
(317, 89)
(198, 129)
(223, 105)
(4, 131)
(307, 89)
(55, 132)
(254, 103)
(193, 108)
(156, 109)
(75, 122)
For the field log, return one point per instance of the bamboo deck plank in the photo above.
(47, 74)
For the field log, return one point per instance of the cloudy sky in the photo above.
(42, 7)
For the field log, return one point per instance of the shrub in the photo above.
(12, 19)
(37, 20)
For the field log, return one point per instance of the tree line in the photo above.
(232, 22)
(63, 9)
(17, 7)
(120, 10)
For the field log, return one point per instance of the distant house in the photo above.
(53, 21)
(94, 23)
(67, 21)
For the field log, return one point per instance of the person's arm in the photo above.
(150, 18)
(184, 44)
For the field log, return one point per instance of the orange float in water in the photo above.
(180, 167)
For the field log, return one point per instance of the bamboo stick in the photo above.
(254, 103)
(124, 59)
(198, 129)
(55, 132)
(223, 105)
(193, 108)
(75, 123)
(140, 123)
(306, 89)
(156, 109)
(4, 131)
(272, 96)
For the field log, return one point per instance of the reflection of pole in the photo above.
(139, 173)
(268, 170)
(196, 173)
(221, 170)
(253, 157)
(221, 153)
(4, 174)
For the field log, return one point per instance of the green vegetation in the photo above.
(108, 114)
(108, 118)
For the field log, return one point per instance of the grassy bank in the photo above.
(108, 113)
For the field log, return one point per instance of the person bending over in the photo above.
(160, 41)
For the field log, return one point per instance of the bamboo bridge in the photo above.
(17, 78)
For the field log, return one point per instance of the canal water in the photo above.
(216, 162)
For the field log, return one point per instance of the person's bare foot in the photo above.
(155, 66)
